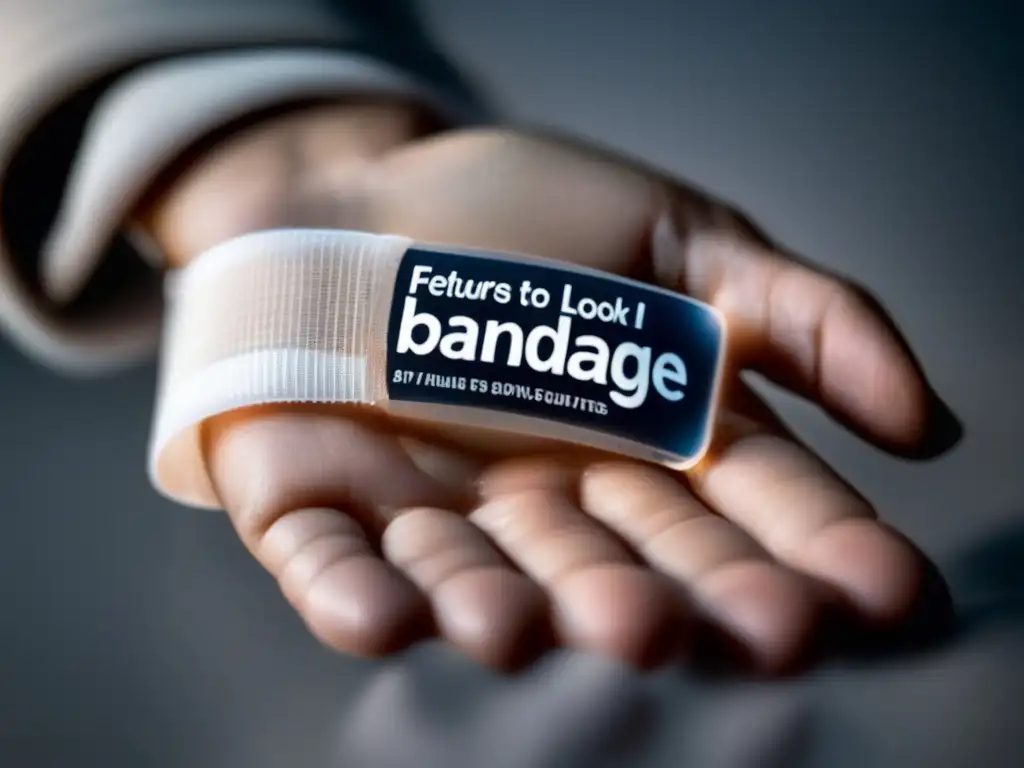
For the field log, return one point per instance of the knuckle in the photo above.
(420, 533)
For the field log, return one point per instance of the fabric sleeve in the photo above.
(97, 97)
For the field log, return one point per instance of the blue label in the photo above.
(580, 348)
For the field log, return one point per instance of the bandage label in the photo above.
(575, 347)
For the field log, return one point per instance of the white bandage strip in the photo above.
(332, 317)
(274, 317)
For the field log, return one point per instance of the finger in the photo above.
(287, 478)
(452, 468)
(481, 604)
(819, 335)
(768, 609)
(557, 474)
(805, 515)
(603, 601)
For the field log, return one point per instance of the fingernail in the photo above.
(945, 430)
(450, 468)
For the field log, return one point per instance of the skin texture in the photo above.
(381, 534)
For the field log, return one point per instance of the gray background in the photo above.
(879, 138)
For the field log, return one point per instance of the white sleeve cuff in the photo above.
(149, 117)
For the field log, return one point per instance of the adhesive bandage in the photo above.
(446, 335)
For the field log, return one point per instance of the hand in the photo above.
(379, 540)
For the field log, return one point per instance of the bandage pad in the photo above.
(470, 338)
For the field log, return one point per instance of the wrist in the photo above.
(299, 167)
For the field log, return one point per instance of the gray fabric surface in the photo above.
(58, 57)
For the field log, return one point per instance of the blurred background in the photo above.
(880, 138)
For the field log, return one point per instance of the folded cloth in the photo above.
(98, 97)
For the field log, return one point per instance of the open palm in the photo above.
(381, 534)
